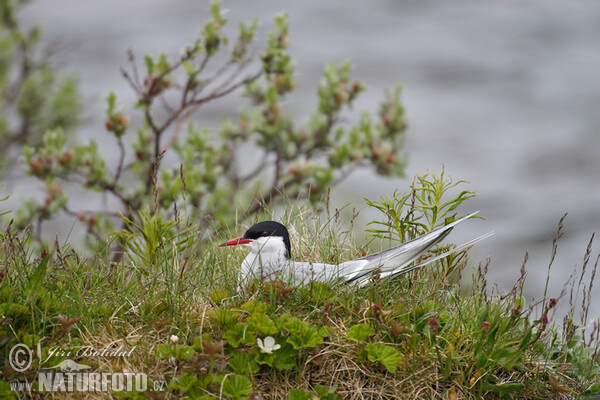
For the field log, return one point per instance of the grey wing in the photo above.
(396, 259)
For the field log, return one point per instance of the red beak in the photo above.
(235, 242)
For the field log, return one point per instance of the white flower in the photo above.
(268, 346)
(174, 339)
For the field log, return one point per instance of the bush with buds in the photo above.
(204, 179)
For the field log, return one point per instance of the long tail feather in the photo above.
(408, 268)
(396, 258)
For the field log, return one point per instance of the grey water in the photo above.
(503, 94)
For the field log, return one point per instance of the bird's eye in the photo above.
(265, 233)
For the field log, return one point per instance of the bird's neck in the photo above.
(266, 259)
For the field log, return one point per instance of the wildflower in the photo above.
(485, 325)
(174, 339)
(552, 302)
(544, 319)
(268, 346)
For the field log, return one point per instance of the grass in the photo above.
(174, 306)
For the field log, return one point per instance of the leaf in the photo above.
(386, 355)
(327, 393)
(183, 352)
(254, 306)
(184, 382)
(263, 324)
(301, 333)
(6, 391)
(556, 386)
(242, 363)
(225, 318)
(299, 394)
(212, 348)
(526, 339)
(360, 332)
(179, 352)
(189, 68)
(317, 292)
(237, 386)
(218, 295)
(149, 64)
(308, 337)
(503, 389)
(241, 333)
(285, 358)
(67, 323)
(265, 358)
(163, 63)
(164, 351)
(35, 282)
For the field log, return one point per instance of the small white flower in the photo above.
(174, 339)
(268, 346)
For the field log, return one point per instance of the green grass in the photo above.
(425, 335)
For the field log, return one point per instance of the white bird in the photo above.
(270, 257)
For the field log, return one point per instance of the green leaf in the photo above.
(317, 292)
(242, 363)
(254, 306)
(179, 352)
(302, 334)
(263, 324)
(504, 389)
(481, 361)
(237, 386)
(526, 339)
(183, 352)
(112, 102)
(218, 295)
(164, 351)
(360, 332)
(327, 393)
(163, 63)
(224, 318)
(386, 355)
(310, 339)
(149, 64)
(35, 282)
(241, 333)
(184, 382)
(6, 392)
(285, 357)
(189, 68)
(265, 359)
(299, 394)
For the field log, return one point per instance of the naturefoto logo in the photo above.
(71, 376)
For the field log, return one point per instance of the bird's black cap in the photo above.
(270, 228)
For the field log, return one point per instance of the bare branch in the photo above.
(121, 159)
(183, 113)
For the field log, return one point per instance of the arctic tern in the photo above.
(270, 257)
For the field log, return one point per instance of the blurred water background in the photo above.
(505, 95)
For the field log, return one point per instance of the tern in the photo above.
(270, 257)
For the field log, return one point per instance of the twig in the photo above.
(121, 159)
(183, 113)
